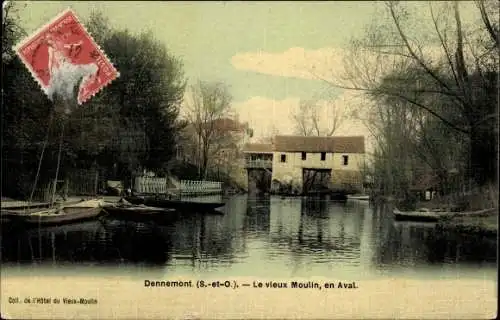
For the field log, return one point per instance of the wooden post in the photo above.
(53, 242)
(96, 182)
(66, 106)
(66, 186)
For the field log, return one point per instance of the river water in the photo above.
(261, 237)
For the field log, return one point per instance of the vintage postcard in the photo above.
(249, 160)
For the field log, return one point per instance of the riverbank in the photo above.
(473, 225)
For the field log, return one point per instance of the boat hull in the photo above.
(361, 198)
(183, 206)
(140, 214)
(27, 206)
(66, 216)
(436, 216)
(415, 217)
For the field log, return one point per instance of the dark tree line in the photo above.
(131, 125)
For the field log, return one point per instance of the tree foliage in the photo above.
(23, 106)
(131, 124)
(143, 103)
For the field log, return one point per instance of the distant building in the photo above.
(310, 163)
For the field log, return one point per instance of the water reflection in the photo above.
(411, 245)
(109, 241)
(257, 217)
(259, 236)
(317, 231)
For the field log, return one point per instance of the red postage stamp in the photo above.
(62, 55)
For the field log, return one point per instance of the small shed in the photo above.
(425, 186)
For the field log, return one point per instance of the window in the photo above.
(323, 156)
(304, 156)
(283, 158)
(345, 160)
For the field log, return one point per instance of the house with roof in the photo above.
(310, 163)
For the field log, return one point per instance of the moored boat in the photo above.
(21, 205)
(439, 214)
(358, 197)
(419, 215)
(64, 214)
(140, 213)
(179, 205)
(475, 213)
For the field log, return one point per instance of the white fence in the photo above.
(189, 187)
(151, 185)
(146, 184)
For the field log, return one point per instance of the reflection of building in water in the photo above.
(315, 206)
(257, 215)
(285, 218)
(324, 231)
(204, 239)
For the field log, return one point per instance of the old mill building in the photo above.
(306, 164)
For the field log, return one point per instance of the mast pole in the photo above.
(41, 157)
(64, 117)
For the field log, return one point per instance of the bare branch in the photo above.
(209, 112)
(460, 61)
(443, 45)
(412, 52)
(486, 20)
(399, 95)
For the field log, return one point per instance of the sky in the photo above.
(262, 50)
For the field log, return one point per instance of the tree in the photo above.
(11, 30)
(130, 124)
(24, 107)
(308, 119)
(210, 102)
(447, 65)
(141, 107)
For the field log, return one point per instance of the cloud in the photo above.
(265, 115)
(295, 62)
(342, 67)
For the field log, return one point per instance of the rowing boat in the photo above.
(358, 197)
(124, 210)
(179, 205)
(428, 215)
(423, 215)
(69, 213)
